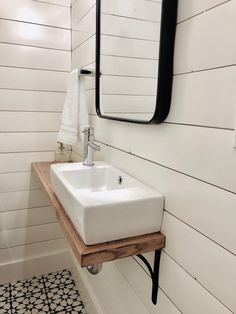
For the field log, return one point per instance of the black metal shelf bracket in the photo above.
(154, 273)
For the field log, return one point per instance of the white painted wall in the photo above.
(35, 57)
(189, 158)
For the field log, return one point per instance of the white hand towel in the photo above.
(75, 112)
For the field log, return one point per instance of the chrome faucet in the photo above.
(89, 146)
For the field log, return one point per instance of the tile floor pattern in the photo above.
(54, 293)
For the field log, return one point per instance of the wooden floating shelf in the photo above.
(99, 253)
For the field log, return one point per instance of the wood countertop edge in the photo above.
(98, 253)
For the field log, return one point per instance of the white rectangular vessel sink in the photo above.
(104, 203)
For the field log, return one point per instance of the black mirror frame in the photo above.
(166, 63)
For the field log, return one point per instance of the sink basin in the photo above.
(104, 203)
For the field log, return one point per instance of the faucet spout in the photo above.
(89, 146)
(94, 147)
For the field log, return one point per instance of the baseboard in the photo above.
(35, 266)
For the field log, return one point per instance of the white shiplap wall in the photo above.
(35, 57)
(189, 158)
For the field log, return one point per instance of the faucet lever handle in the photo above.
(86, 130)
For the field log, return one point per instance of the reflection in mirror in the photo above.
(128, 48)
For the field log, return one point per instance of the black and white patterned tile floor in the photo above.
(53, 293)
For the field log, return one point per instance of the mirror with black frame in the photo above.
(134, 59)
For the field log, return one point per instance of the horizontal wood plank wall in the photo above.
(35, 58)
(189, 158)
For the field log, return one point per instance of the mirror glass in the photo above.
(129, 45)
